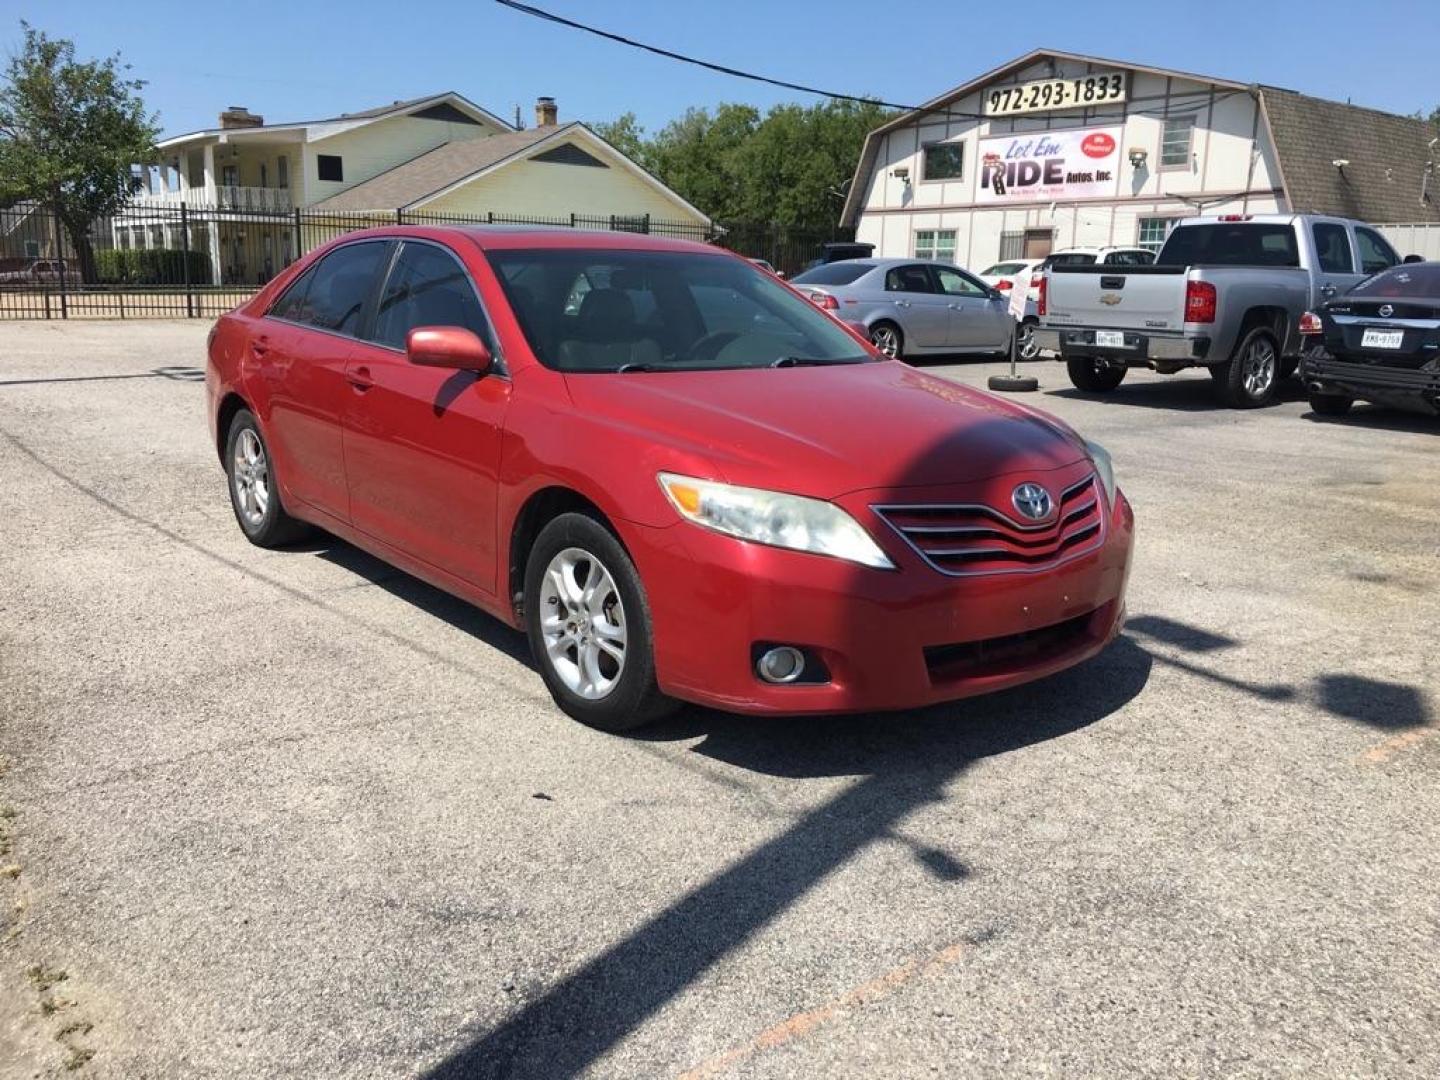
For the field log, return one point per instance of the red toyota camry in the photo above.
(677, 475)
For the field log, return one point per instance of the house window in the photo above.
(1175, 142)
(229, 176)
(32, 249)
(157, 236)
(1012, 246)
(330, 167)
(944, 161)
(264, 174)
(1150, 232)
(935, 244)
(282, 172)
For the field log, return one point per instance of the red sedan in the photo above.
(678, 476)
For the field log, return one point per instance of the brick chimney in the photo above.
(546, 114)
(237, 116)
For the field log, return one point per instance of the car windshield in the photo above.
(1408, 280)
(836, 273)
(1002, 269)
(638, 311)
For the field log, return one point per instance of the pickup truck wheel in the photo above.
(1090, 374)
(1252, 375)
(1330, 404)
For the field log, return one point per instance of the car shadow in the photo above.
(1176, 393)
(1381, 418)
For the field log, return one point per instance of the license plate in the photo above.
(1382, 339)
(1110, 339)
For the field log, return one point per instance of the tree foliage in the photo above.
(790, 166)
(69, 132)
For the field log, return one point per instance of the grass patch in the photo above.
(79, 1055)
(44, 978)
(75, 1027)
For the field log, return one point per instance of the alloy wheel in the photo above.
(1026, 346)
(1258, 367)
(250, 475)
(582, 621)
(886, 340)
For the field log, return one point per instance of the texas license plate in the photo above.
(1382, 339)
(1110, 339)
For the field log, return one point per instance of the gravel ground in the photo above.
(296, 814)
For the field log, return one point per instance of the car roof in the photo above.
(519, 237)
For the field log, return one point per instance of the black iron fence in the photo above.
(176, 260)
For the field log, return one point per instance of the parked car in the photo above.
(696, 487)
(1225, 293)
(839, 251)
(1379, 342)
(764, 264)
(41, 272)
(1016, 274)
(910, 307)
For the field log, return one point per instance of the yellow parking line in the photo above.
(803, 1023)
(1384, 751)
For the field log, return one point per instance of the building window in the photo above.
(282, 172)
(935, 244)
(330, 167)
(1012, 246)
(943, 161)
(1176, 141)
(1150, 232)
(264, 174)
(32, 249)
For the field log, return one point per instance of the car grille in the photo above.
(992, 655)
(973, 539)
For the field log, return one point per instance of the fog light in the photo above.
(782, 664)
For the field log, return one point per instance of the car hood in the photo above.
(825, 431)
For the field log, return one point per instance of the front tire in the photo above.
(1330, 404)
(889, 339)
(1089, 374)
(589, 626)
(254, 491)
(1251, 377)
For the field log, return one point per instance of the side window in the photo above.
(908, 279)
(1332, 248)
(427, 287)
(339, 287)
(329, 167)
(957, 284)
(1375, 253)
(291, 304)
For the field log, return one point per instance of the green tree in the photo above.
(69, 132)
(627, 136)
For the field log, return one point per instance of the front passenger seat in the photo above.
(607, 335)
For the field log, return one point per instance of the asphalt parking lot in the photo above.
(296, 814)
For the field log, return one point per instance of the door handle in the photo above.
(260, 346)
(359, 379)
(902, 303)
(954, 307)
(1327, 290)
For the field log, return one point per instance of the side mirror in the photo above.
(1413, 258)
(448, 347)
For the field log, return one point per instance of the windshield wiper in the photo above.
(623, 368)
(812, 361)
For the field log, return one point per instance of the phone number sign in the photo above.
(1083, 163)
(1102, 88)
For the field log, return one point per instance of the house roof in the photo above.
(1387, 156)
(344, 120)
(1388, 152)
(436, 172)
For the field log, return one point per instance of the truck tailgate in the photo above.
(1122, 298)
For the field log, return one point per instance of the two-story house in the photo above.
(442, 155)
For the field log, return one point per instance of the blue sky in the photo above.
(293, 61)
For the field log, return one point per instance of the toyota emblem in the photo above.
(1033, 501)
(1386, 311)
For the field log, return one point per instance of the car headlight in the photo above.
(774, 518)
(1104, 468)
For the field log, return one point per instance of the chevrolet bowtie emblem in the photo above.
(1110, 298)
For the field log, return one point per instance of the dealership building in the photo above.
(1056, 150)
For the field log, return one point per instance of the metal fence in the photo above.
(173, 261)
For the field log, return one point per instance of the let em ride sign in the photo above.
(1045, 166)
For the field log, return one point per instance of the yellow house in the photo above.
(433, 157)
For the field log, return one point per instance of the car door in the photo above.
(299, 353)
(978, 319)
(1334, 268)
(922, 313)
(422, 444)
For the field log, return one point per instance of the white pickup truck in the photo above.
(1224, 292)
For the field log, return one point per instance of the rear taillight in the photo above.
(1234, 217)
(1004, 284)
(1199, 301)
(1036, 280)
(826, 301)
(1039, 283)
(1310, 323)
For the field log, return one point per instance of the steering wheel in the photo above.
(708, 347)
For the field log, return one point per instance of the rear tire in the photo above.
(1026, 347)
(1092, 376)
(889, 339)
(1251, 377)
(589, 626)
(254, 489)
(1330, 404)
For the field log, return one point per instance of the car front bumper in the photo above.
(886, 639)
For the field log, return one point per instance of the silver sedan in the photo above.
(912, 307)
